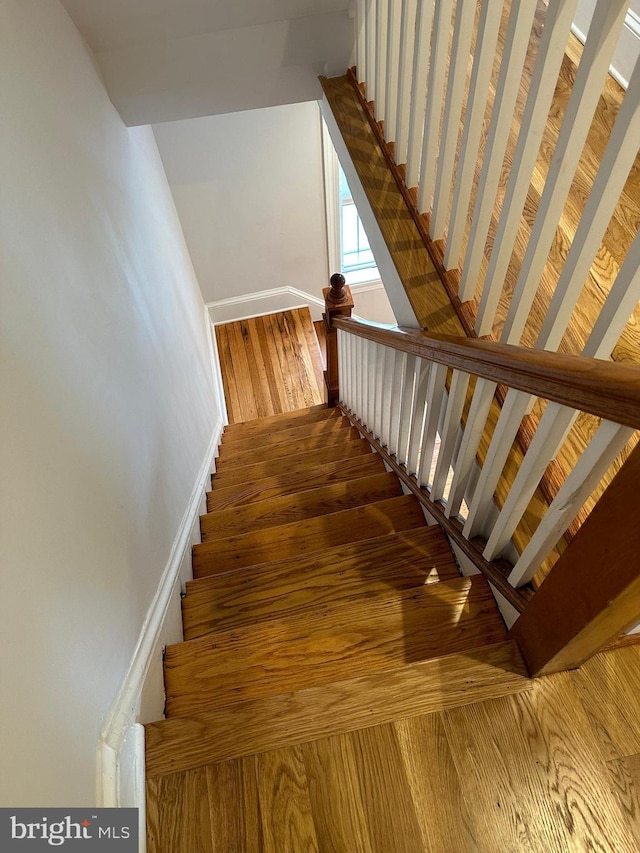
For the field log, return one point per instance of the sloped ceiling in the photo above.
(164, 60)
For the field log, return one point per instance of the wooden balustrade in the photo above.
(406, 392)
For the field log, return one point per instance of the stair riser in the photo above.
(260, 725)
(328, 427)
(284, 450)
(284, 588)
(292, 463)
(283, 421)
(324, 646)
(308, 504)
(311, 534)
(312, 477)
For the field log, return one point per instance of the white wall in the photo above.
(257, 175)
(628, 47)
(231, 70)
(107, 404)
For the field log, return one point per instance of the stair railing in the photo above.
(409, 394)
(425, 71)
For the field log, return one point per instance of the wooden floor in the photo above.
(447, 755)
(270, 364)
(556, 768)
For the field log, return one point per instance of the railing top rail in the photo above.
(602, 388)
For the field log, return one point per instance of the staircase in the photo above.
(322, 604)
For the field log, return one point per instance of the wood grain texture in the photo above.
(432, 778)
(243, 494)
(306, 536)
(287, 420)
(625, 777)
(325, 427)
(609, 686)
(285, 806)
(260, 724)
(561, 630)
(237, 458)
(178, 813)
(356, 570)
(295, 462)
(234, 806)
(322, 500)
(339, 814)
(329, 643)
(385, 792)
(270, 364)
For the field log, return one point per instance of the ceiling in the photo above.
(108, 25)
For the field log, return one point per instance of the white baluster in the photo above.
(399, 374)
(557, 26)
(435, 397)
(462, 32)
(342, 369)
(515, 405)
(417, 426)
(382, 10)
(618, 306)
(435, 89)
(515, 49)
(485, 49)
(361, 41)
(407, 45)
(549, 437)
(450, 430)
(380, 354)
(387, 395)
(424, 22)
(606, 444)
(393, 59)
(616, 163)
(406, 409)
(370, 19)
(466, 456)
(594, 64)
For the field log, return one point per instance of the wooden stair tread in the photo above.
(357, 570)
(288, 482)
(307, 535)
(266, 424)
(257, 725)
(250, 455)
(293, 462)
(326, 427)
(303, 504)
(330, 643)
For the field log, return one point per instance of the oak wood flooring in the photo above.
(525, 772)
(330, 643)
(356, 570)
(242, 494)
(270, 364)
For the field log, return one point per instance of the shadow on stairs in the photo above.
(326, 628)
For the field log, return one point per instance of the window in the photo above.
(355, 252)
(356, 258)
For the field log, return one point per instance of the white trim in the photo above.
(216, 370)
(263, 302)
(120, 770)
(632, 25)
(331, 177)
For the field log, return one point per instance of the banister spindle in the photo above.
(338, 302)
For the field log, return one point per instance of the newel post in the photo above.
(337, 303)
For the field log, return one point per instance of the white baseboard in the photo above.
(120, 770)
(285, 298)
(264, 302)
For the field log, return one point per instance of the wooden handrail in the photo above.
(602, 388)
